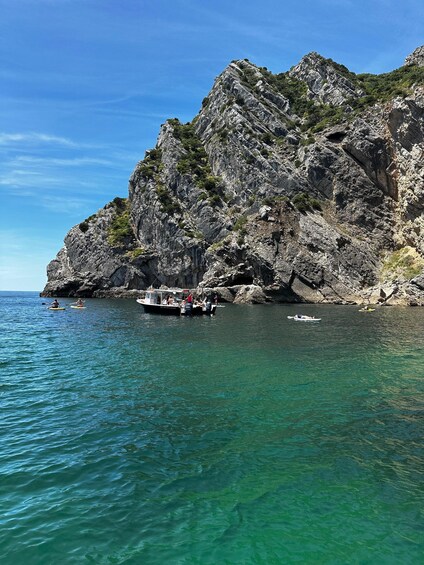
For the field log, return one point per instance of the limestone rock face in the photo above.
(293, 257)
(88, 265)
(416, 58)
(326, 81)
(302, 186)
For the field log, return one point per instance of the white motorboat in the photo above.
(174, 302)
(302, 318)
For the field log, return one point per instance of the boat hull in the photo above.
(164, 310)
(168, 310)
(304, 319)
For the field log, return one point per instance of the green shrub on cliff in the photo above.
(135, 253)
(317, 116)
(120, 203)
(83, 226)
(120, 230)
(291, 88)
(324, 116)
(341, 69)
(306, 203)
(248, 75)
(384, 87)
(168, 204)
(240, 224)
(210, 183)
(404, 263)
(195, 161)
(272, 200)
(151, 164)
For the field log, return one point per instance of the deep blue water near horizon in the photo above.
(246, 438)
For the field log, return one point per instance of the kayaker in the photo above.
(79, 303)
(54, 304)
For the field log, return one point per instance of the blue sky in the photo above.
(86, 84)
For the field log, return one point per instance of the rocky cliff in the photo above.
(302, 186)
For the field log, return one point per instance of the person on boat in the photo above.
(189, 305)
(54, 304)
(208, 306)
(79, 303)
(182, 307)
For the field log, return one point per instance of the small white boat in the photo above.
(301, 318)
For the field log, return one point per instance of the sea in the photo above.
(243, 438)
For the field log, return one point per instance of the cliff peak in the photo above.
(416, 57)
(328, 82)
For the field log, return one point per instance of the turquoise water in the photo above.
(241, 439)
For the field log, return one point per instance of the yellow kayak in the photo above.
(79, 307)
(367, 310)
(52, 308)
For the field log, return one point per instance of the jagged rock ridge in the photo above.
(302, 186)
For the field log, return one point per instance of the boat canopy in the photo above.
(158, 295)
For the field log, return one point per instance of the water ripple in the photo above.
(245, 438)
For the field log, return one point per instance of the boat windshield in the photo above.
(164, 296)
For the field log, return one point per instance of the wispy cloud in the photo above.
(20, 178)
(68, 205)
(49, 194)
(36, 184)
(40, 166)
(33, 137)
(55, 162)
(44, 142)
